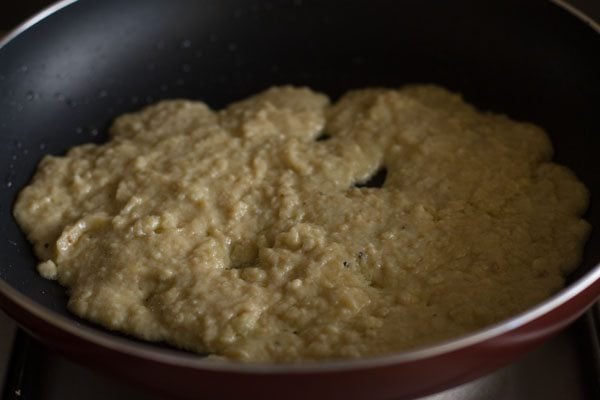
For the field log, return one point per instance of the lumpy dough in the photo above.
(246, 233)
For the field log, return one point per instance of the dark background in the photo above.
(12, 13)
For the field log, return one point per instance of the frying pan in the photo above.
(70, 70)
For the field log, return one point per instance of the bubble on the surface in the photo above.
(102, 93)
(232, 46)
(24, 68)
(237, 13)
(186, 68)
(213, 38)
(134, 99)
(42, 146)
(30, 95)
(186, 44)
(180, 82)
(198, 54)
(94, 132)
(79, 130)
(59, 96)
(18, 144)
(14, 157)
(148, 99)
(25, 152)
(164, 87)
(8, 179)
(71, 103)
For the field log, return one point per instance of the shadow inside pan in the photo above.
(65, 79)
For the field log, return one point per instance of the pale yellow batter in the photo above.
(238, 233)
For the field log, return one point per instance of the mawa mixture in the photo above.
(247, 232)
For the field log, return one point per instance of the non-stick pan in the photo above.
(69, 71)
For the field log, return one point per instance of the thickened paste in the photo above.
(249, 232)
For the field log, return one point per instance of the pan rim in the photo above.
(171, 357)
(34, 19)
(175, 357)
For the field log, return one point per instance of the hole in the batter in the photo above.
(243, 264)
(323, 137)
(375, 181)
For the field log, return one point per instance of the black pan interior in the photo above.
(63, 80)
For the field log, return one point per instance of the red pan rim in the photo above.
(165, 356)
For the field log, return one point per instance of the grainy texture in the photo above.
(238, 233)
